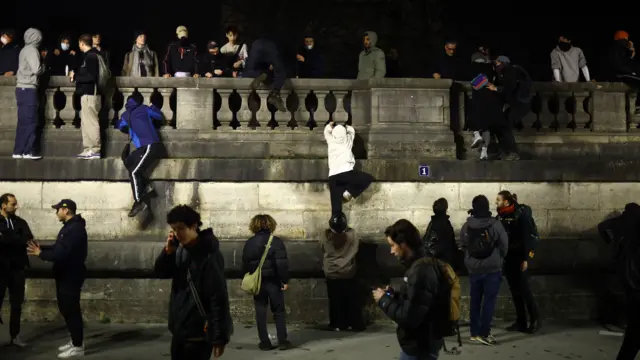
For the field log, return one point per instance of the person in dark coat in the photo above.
(275, 278)
(485, 108)
(310, 62)
(264, 57)
(439, 238)
(9, 52)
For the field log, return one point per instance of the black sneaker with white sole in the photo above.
(137, 208)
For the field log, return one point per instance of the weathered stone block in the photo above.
(585, 196)
(89, 195)
(295, 197)
(579, 223)
(229, 196)
(29, 194)
(541, 195)
(470, 190)
(235, 224)
(614, 196)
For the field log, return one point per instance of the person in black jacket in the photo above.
(68, 255)
(14, 235)
(9, 53)
(440, 238)
(181, 59)
(310, 62)
(62, 59)
(213, 63)
(622, 65)
(192, 259)
(422, 304)
(275, 278)
(264, 57)
(624, 232)
(448, 65)
(522, 241)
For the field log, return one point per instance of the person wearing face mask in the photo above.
(140, 61)
(181, 59)
(567, 61)
(63, 59)
(309, 61)
(622, 64)
(212, 63)
(9, 53)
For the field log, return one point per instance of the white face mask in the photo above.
(4, 40)
(309, 47)
(64, 47)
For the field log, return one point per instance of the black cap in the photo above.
(212, 45)
(66, 204)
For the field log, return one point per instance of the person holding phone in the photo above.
(199, 316)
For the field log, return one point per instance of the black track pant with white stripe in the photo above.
(139, 163)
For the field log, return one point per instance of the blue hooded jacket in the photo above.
(138, 121)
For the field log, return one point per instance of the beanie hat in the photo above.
(621, 35)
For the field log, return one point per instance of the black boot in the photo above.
(276, 100)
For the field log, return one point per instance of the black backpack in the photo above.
(480, 245)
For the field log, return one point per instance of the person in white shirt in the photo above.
(345, 183)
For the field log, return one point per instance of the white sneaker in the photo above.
(483, 154)
(18, 342)
(31, 157)
(347, 196)
(17, 156)
(477, 140)
(73, 351)
(66, 346)
(88, 155)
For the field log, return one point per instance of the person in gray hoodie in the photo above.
(29, 68)
(371, 64)
(485, 245)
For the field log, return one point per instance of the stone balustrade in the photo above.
(394, 118)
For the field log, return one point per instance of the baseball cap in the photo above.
(65, 203)
(212, 45)
(181, 31)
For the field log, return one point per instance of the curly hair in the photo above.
(262, 222)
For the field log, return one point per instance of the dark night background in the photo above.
(523, 31)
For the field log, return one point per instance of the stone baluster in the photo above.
(563, 117)
(225, 114)
(166, 110)
(263, 115)
(302, 114)
(146, 94)
(340, 115)
(244, 114)
(50, 110)
(546, 117)
(580, 117)
(321, 115)
(68, 113)
(126, 92)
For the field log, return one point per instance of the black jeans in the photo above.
(344, 311)
(190, 350)
(14, 280)
(521, 293)
(270, 295)
(263, 54)
(68, 288)
(631, 343)
(354, 181)
(138, 163)
(27, 101)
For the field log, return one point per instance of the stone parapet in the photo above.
(394, 118)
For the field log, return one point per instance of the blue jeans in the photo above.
(484, 292)
(434, 351)
(27, 100)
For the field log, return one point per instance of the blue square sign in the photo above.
(423, 170)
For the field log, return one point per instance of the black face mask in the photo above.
(564, 46)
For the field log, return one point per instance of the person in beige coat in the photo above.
(340, 246)
(140, 61)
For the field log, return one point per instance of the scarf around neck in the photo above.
(147, 60)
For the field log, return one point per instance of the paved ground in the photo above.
(123, 342)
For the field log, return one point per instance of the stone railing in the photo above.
(395, 118)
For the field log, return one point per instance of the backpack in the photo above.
(104, 74)
(480, 245)
(430, 240)
(251, 282)
(450, 283)
(526, 211)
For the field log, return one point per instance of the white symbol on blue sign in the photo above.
(423, 170)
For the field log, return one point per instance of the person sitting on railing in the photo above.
(265, 57)
(140, 61)
(181, 59)
(345, 183)
(212, 63)
(137, 121)
(566, 59)
(623, 65)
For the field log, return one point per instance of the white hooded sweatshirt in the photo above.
(339, 144)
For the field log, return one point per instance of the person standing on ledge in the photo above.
(68, 255)
(137, 121)
(14, 236)
(29, 69)
(345, 183)
(199, 317)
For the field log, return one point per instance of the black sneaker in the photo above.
(137, 207)
(517, 327)
(276, 100)
(257, 81)
(285, 345)
(265, 346)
